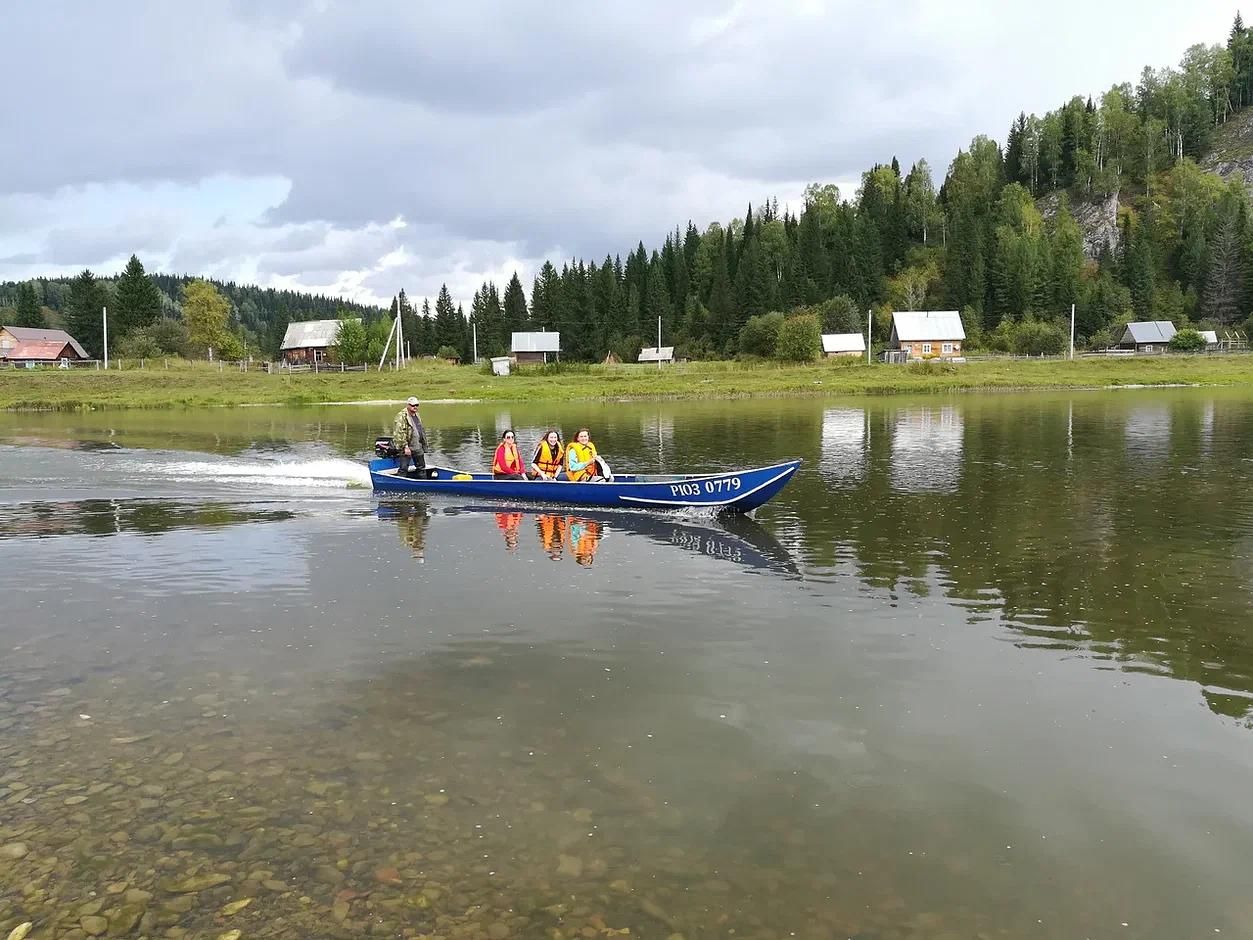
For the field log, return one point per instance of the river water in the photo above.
(984, 670)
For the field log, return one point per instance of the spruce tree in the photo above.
(83, 314)
(136, 300)
(29, 314)
(515, 306)
(449, 331)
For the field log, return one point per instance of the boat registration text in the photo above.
(724, 485)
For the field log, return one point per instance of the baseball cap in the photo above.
(411, 401)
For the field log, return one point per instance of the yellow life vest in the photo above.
(581, 453)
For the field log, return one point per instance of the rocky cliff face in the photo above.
(1098, 221)
(1231, 153)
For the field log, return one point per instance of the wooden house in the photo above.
(535, 347)
(1151, 336)
(310, 341)
(29, 345)
(656, 354)
(927, 334)
(843, 344)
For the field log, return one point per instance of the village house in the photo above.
(309, 342)
(28, 345)
(843, 344)
(535, 347)
(656, 354)
(927, 334)
(1151, 336)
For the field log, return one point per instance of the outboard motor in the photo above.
(383, 447)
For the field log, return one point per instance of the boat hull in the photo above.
(735, 491)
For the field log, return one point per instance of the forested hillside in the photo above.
(997, 239)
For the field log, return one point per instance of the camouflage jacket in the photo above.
(403, 433)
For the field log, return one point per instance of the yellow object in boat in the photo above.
(463, 476)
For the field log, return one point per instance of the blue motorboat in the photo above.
(731, 491)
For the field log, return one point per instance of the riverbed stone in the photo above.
(14, 851)
(94, 925)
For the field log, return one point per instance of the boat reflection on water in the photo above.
(579, 535)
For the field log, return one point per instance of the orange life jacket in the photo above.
(547, 459)
(507, 459)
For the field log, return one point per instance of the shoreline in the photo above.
(193, 385)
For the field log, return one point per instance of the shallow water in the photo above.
(983, 670)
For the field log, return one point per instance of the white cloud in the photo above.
(282, 144)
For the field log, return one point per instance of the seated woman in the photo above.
(581, 463)
(507, 465)
(546, 462)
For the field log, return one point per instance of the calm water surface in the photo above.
(985, 669)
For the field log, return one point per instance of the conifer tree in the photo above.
(28, 313)
(515, 305)
(136, 300)
(84, 313)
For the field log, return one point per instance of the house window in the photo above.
(1148, 347)
(947, 348)
(926, 349)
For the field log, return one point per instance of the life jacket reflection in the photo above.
(584, 539)
(552, 533)
(508, 523)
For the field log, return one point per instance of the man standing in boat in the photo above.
(409, 437)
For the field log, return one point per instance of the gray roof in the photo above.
(536, 342)
(26, 334)
(656, 354)
(843, 342)
(911, 326)
(1210, 336)
(1150, 331)
(311, 334)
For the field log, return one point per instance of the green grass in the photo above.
(201, 384)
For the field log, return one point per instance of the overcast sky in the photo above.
(357, 148)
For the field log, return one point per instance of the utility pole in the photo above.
(659, 345)
(1072, 331)
(474, 341)
(869, 326)
(104, 315)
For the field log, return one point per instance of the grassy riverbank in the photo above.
(200, 384)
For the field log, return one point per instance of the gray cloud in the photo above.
(505, 132)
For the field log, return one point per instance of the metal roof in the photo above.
(909, 326)
(536, 342)
(656, 354)
(26, 334)
(311, 334)
(1210, 336)
(36, 351)
(1150, 331)
(843, 342)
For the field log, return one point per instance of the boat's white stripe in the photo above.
(709, 502)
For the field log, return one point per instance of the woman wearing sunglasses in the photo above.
(507, 464)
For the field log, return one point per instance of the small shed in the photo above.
(656, 354)
(500, 365)
(535, 347)
(1150, 336)
(843, 344)
(310, 341)
(1210, 337)
(927, 334)
(27, 344)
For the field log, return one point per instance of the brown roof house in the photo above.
(26, 344)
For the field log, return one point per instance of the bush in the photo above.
(137, 344)
(1187, 341)
(169, 335)
(447, 352)
(800, 339)
(759, 335)
(1035, 338)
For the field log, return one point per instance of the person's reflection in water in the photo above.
(412, 525)
(552, 534)
(508, 523)
(584, 539)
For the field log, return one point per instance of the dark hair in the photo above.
(507, 431)
(580, 431)
(551, 431)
